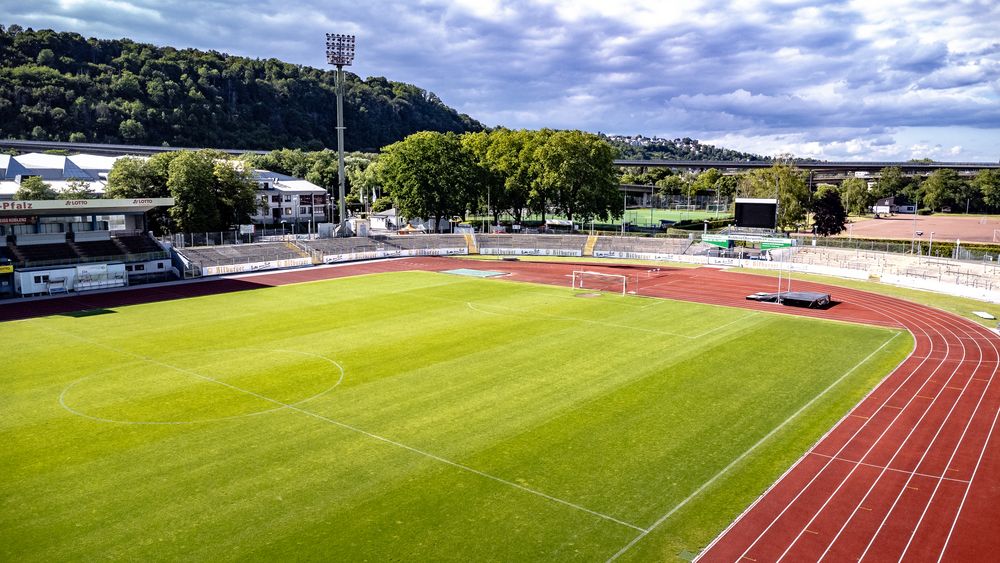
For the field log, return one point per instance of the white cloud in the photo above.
(851, 79)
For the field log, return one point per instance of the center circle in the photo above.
(190, 387)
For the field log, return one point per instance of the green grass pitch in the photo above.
(409, 416)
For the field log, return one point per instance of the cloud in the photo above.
(831, 79)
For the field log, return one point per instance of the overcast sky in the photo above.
(852, 80)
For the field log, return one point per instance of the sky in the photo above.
(837, 80)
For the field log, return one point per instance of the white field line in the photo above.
(742, 456)
(346, 426)
(68, 408)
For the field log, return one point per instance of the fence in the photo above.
(943, 249)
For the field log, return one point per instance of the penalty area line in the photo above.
(743, 455)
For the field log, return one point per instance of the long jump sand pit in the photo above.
(970, 228)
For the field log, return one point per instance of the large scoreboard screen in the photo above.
(756, 213)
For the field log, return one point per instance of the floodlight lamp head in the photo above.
(339, 49)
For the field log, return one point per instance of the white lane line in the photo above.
(742, 456)
(374, 436)
(940, 478)
(816, 476)
(975, 471)
(875, 443)
(936, 400)
(875, 466)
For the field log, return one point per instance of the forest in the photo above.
(61, 86)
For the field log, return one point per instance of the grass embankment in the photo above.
(218, 428)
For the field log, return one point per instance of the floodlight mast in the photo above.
(340, 53)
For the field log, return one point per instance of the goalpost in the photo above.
(583, 279)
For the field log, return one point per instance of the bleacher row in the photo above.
(642, 245)
(225, 255)
(319, 249)
(111, 248)
(241, 253)
(574, 243)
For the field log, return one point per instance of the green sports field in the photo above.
(409, 416)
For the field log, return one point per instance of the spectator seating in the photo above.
(420, 242)
(99, 249)
(45, 252)
(334, 246)
(240, 253)
(641, 245)
(138, 244)
(541, 242)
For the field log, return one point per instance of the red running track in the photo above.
(911, 473)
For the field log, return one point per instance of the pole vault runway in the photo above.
(910, 473)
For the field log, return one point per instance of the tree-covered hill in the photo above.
(645, 148)
(64, 87)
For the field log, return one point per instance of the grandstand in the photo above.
(543, 245)
(224, 259)
(640, 245)
(340, 246)
(421, 242)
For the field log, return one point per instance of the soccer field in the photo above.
(410, 416)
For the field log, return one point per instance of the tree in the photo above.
(78, 189)
(829, 217)
(786, 183)
(891, 182)
(670, 185)
(132, 130)
(487, 171)
(941, 188)
(858, 198)
(726, 187)
(191, 179)
(707, 180)
(988, 184)
(508, 171)
(427, 173)
(235, 190)
(34, 188)
(132, 177)
(211, 192)
(578, 169)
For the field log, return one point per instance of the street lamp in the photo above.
(930, 245)
(340, 53)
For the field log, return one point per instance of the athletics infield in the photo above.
(912, 472)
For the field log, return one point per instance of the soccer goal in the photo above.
(599, 281)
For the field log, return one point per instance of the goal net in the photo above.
(598, 281)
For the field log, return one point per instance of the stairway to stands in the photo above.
(470, 244)
(588, 249)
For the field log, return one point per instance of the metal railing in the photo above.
(127, 257)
